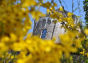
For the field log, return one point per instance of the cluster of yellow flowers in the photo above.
(67, 17)
(14, 25)
(84, 52)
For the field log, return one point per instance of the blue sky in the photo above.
(68, 6)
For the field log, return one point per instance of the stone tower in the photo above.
(47, 29)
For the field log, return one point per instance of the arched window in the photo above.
(43, 35)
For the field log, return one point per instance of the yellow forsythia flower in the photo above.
(28, 3)
(69, 14)
(87, 54)
(61, 8)
(86, 31)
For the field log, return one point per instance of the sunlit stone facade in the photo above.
(47, 29)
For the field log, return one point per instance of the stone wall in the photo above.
(53, 30)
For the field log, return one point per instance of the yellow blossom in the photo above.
(13, 37)
(69, 14)
(61, 8)
(28, 3)
(86, 31)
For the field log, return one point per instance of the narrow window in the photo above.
(44, 33)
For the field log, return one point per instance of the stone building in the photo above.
(47, 29)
